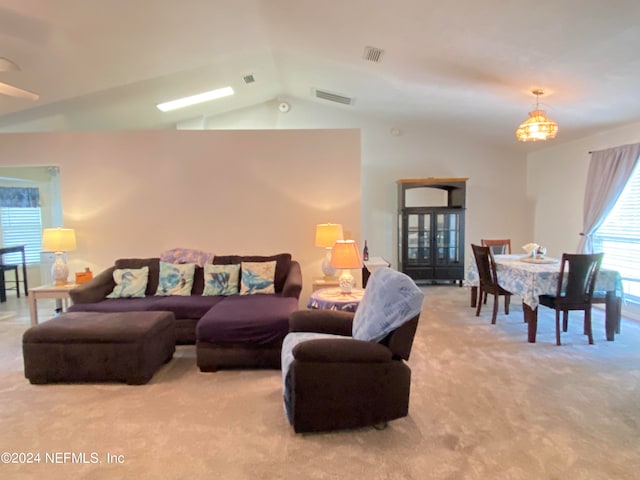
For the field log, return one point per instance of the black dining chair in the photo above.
(488, 280)
(3, 285)
(498, 247)
(576, 283)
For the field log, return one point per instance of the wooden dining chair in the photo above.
(575, 292)
(4, 267)
(498, 247)
(489, 280)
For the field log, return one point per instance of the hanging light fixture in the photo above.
(537, 126)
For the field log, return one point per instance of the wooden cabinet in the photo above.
(431, 216)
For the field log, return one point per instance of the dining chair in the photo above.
(575, 292)
(489, 280)
(498, 247)
(9, 268)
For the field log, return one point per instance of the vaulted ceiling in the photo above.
(468, 65)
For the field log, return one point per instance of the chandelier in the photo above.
(537, 126)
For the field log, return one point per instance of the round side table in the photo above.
(334, 299)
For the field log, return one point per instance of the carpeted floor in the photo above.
(485, 404)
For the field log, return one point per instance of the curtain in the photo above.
(19, 197)
(608, 173)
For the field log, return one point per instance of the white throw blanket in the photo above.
(390, 299)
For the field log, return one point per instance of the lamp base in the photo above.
(346, 281)
(59, 270)
(328, 271)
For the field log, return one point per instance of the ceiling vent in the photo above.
(333, 97)
(249, 78)
(373, 54)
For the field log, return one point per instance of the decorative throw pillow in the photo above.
(221, 279)
(257, 277)
(130, 282)
(175, 278)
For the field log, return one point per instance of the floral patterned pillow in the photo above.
(257, 277)
(175, 279)
(221, 279)
(130, 282)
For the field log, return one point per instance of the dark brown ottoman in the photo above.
(99, 347)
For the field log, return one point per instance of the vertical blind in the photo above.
(619, 238)
(21, 226)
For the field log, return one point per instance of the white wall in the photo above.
(144, 180)
(556, 180)
(135, 194)
(497, 204)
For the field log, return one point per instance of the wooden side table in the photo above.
(334, 299)
(59, 292)
(322, 282)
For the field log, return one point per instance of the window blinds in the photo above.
(619, 238)
(21, 226)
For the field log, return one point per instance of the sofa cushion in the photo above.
(186, 307)
(198, 281)
(283, 263)
(253, 319)
(175, 279)
(116, 305)
(154, 270)
(257, 277)
(221, 279)
(93, 327)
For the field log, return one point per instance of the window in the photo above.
(22, 226)
(619, 238)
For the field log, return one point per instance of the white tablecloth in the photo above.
(529, 280)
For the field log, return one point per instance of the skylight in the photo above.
(195, 99)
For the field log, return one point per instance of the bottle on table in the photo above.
(365, 252)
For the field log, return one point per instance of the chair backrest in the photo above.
(498, 247)
(578, 274)
(400, 340)
(486, 265)
(389, 310)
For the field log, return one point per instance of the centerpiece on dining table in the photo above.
(536, 254)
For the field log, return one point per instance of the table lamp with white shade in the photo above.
(346, 256)
(59, 240)
(326, 236)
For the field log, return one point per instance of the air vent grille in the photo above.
(333, 97)
(249, 78)
(373, 54)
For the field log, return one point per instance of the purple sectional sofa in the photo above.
(228, 331)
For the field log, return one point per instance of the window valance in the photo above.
(19, 197)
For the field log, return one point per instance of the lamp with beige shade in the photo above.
(346, 256)
(326, 236)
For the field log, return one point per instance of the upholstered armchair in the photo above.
(343, 370)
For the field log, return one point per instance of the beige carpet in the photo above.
(485, 404)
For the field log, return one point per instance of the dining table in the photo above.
(529, 277)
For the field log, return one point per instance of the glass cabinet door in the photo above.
(431, 228)
(447, 238)
(418, 232)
